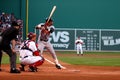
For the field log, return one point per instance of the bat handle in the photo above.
(45, 25)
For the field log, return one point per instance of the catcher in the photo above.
(29, 54)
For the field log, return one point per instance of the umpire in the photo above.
(8, 38)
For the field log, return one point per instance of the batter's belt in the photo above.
(43, 40)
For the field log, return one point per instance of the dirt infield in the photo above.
(73, 72)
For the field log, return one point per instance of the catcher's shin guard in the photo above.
(22, 68)
(33, 69)
(38, 63)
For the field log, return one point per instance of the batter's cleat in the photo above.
(0, 69)
(14, 71)
(32, 69)
(58, 66)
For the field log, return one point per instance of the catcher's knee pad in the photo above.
(40, 62)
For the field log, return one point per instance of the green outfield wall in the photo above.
(85, 14)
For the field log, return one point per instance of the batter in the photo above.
(45, 30)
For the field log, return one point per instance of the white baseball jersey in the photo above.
(43, 36)
(26, 53)
(79, 43)
(31, 48)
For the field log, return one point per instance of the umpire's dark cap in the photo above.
(14, 23)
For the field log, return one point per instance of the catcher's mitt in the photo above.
(78, 42)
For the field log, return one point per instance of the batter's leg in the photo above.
(52, 52)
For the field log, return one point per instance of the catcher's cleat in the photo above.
(32, 69)
(58, 66)
(0, 69)
(22, 68)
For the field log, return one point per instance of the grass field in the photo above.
(89, 58)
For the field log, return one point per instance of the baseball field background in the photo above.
(90, 66)
(96, 21)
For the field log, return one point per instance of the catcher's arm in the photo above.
(37, 51)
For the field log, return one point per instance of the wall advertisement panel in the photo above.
(110, 40)
(90, 38)
(63, 39)
(94, 39)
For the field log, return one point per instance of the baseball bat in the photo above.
(51, 13)
(53, 10)
(54, 63)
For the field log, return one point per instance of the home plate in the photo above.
(74, 70)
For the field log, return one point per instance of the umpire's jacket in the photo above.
(8, 35)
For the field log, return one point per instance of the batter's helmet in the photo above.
(49, 19)
(31, 35)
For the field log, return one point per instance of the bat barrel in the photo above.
(53, 10)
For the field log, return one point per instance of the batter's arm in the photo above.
(40, 26)
(43, 29)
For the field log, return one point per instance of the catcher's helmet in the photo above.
(31, 35)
